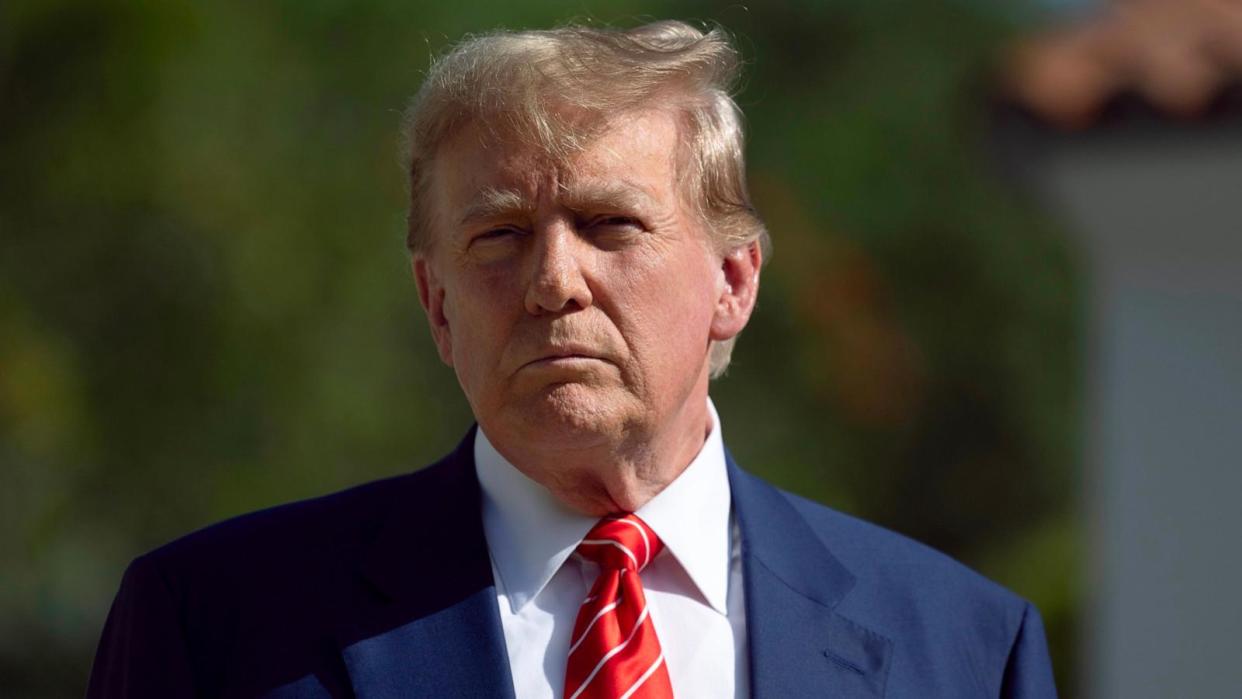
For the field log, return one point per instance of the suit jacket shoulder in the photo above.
(260, 600)
(952, 631)
(899, 576)
(270, 545)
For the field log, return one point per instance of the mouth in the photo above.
(568, 356)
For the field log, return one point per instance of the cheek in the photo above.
(668, 301)
(479, 291)
(478, 308)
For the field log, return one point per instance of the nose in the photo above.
(557, 280)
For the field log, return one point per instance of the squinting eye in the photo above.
(495, 233)
(616, 221)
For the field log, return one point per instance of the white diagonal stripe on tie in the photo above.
(607, 608)
(643, 534)
(608, 656)
(639, 682)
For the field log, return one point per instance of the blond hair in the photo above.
(556, 89)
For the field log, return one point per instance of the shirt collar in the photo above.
(531, 534)
(691, 517)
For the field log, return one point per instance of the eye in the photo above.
(615, 221)
(499, 233)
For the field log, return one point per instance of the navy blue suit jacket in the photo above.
(385, 590)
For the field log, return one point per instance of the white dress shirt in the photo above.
(694, 587)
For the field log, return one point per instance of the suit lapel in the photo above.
(429, 625)
(799, 644)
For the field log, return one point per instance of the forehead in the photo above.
(637, 152)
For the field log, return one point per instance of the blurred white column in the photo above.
(1160, 213)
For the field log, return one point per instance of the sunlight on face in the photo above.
(576, 300)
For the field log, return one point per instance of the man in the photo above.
(586, 254)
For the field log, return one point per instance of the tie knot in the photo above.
(620, 543)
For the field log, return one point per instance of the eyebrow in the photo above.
(491, 203)
(612, 194)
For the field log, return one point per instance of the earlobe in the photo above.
(739, 273)
(431, 297)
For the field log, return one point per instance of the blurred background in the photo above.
(1002, 316)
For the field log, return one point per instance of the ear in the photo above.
(431, 296)
(738, 289)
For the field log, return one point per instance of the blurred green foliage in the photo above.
(205, 307)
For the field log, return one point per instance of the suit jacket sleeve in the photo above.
(142, 652)
(1028, 673)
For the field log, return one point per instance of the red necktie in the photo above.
(614, 652)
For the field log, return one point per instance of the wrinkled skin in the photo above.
(576, 304)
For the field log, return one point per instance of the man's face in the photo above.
(576, 301)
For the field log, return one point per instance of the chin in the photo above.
(575, 413)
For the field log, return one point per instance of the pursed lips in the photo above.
(567, 352)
